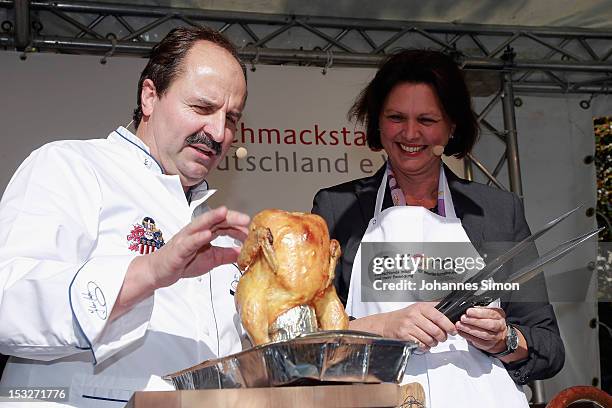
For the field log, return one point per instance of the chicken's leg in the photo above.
(329, 309)
(252, 303)
(330, 312)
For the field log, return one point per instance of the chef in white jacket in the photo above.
(113, 270)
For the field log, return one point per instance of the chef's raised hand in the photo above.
(189, 253)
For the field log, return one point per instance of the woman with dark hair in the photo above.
(416, 108)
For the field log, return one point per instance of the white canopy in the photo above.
(596, 14)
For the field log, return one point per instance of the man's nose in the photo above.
(216, 126)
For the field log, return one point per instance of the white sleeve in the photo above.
(55, 297)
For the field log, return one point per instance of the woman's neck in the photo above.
(420, 189)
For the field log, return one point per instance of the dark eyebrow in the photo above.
(208, 103)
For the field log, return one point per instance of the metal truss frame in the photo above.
(508, 136)
(544, 59)
(524, 60)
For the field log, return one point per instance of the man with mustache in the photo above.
(113, 270)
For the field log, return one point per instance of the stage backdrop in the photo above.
(299, 141)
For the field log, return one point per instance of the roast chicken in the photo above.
(287, 260)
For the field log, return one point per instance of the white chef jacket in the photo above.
(65, 218)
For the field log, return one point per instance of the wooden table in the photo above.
(356, 395)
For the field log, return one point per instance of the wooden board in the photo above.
(357, 395)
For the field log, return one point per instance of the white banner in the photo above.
(295, 146)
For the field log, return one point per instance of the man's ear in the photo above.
(148, 97)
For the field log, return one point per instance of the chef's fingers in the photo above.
(221, 255)
(206, 221)
(237, 219)
(209, 257)
(186, 245)
(225, 224)
(169, 263)
(238, 233)
(218, 218)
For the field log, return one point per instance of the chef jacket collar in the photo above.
(139, 147)
(199, 193)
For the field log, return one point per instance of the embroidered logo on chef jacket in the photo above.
(145, 237)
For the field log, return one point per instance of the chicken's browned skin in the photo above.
(328, 308)
(251, 295)
(288, 260)
(330, 311)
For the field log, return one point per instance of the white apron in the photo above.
(454, 373)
